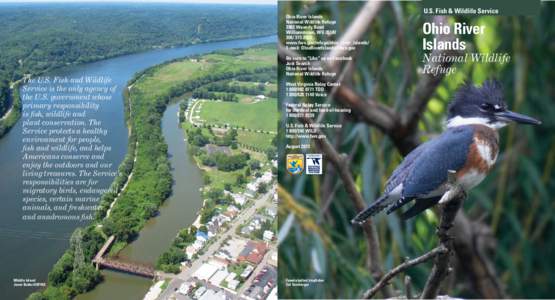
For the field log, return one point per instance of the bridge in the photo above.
(131, 268)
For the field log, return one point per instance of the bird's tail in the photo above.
(372, 210)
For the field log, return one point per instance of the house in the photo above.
(201, 235)
(233, 284)
(190, 251)
(213, 295)
(253, 252)
(224, 255)
(233, 208)
(205, 271)
(247, 272)
(230, 277)
(266, 177)
(251, 189)
(186, 287)
(239, 199)
(271, 212)
(268, 236)
(218, 277)
(232, 249)
(198, 293)
(198, 244)
(224, 218)
(246, 230)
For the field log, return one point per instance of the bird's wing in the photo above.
(429, 170)
(400, 173)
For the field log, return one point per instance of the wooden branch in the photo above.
(401, 268)
(340, 163)
(451, 203)
(356, 30)
(471, 240)
(408, 287)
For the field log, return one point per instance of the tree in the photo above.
(61, 270)
(85, 278)
(206, 179)
(271, 153)
(170, 260)
(262, 188)
(240, 179)
(254, 165)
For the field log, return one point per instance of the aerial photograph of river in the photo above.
(20, 240)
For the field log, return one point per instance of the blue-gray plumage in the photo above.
(469, 146)
(444, 153)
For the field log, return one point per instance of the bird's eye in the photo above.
(487, 106)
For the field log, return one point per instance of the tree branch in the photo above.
(451, 201)
(471, 240)
(401, 268)
(356, 30)
(341, 165)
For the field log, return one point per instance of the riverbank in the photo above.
(13, 114)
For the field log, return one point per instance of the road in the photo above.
(215, 246)
(192, 109)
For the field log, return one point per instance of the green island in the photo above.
(231, 155)
(37, 39)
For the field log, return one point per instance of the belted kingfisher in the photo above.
(469, 147)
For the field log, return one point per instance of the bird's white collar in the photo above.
(461, 121)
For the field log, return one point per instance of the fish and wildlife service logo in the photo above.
(314, 164)
(295, 164)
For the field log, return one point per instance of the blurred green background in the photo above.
(515, 202)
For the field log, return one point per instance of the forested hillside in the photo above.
(38, 37)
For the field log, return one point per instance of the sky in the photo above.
(156, 1)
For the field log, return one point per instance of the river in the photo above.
(29, 249)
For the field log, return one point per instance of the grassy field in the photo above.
(220, 178)
(166, 76)
(254, 139)
(257, 116)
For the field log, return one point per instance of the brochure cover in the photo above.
(262, 149)
(138, 150)
(415, 149)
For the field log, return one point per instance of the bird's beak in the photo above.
(516, 117)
